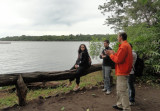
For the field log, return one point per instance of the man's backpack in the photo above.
(138, 67)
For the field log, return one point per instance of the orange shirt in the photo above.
(123, 59)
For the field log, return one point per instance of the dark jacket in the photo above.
(107, 61)
(83, 59)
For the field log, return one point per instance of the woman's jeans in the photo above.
(106, 76)
(131, 81)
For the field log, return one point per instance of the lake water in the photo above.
(38, 56)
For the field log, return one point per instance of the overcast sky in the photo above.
(51, 17)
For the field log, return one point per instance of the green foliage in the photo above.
(8, 100)
(96, 47)
(149, 79)
(71, 37)
(115, 46)
(113, 37)
(125, 13)
(96, 44)
(141, 20)
(145, 41)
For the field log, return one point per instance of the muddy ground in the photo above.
(147, 99)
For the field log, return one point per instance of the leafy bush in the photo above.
(145, 41)
(96, 47)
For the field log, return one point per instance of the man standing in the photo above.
(106, 67)
(123, 64)
(131, 80)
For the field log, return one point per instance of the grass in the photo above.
(9, 99)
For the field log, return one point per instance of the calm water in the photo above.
(38, 56)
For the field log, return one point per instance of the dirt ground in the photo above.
(147, 99)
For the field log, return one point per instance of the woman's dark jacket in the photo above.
(83, 59)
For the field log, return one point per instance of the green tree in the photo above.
(141, 20)
(146, 42)
(96, 47)
(128, 12)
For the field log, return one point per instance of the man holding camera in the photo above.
(106, 68)
(123, 64)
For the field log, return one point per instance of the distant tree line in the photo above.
(71, 37)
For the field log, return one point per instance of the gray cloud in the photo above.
(35, 16)
(49, 12)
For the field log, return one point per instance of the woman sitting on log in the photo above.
(82, 64)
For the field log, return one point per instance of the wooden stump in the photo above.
(21, 91)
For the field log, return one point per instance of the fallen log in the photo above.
(11, 79)
(20, 79)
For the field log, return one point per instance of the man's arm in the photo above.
(102, 55)
(117, 57)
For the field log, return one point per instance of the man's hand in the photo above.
(103, 56)
(109, 52)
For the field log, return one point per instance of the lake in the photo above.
(39, 56)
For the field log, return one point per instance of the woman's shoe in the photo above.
(76, 88)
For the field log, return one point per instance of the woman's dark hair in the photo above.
(123, 35)
(79, 50)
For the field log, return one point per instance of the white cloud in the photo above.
(47, 17)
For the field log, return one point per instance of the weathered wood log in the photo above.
(11, 79)
(21, 89)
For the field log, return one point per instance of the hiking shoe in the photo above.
(131, 103)
(116, 107)
(104, 90)
(76, 88)
(108, 92)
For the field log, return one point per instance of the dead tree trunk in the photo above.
(21, 89)
(21, 78)
(11, 79)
